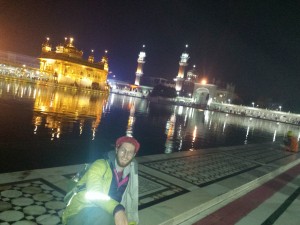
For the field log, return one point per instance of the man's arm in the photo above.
(121, 218)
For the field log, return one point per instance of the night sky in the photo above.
(253, 44)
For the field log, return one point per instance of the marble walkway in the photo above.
(179, 188)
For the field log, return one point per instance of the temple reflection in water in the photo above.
(57, 108)
(58, 105)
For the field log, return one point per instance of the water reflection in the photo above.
(61, 108)
(43, 121)
(189, 129)
(56, 109)
(131, 119)
(170, 129)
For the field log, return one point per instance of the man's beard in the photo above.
(122, 164)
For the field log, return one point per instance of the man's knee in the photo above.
(91, 216)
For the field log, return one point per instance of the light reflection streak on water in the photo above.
(274, 136)
(170, 130)
(179, 136)
(194, 136)
(29, 91)
(191, 112)
(80, 128)
(180, 145)
(112, 99)
(52, 135)
(224, 126)
(206, 116)
(93, 133)
(180, 109)
(131, 119)
(185, 119)
(22, 92)
(58, 133)
(123, 101)
(35, 129)
(247, 133)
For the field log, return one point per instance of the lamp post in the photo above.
(253, 104)
(280, 108)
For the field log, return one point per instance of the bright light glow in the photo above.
(194, 133)
(184, 57)
(245, 142)
(50, 60)
(94, 195)
(224, 126)
(274, 136)
(180, 110)
(203, 81)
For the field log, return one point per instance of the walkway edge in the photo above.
(227, 197)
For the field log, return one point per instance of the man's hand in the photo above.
(121, 218)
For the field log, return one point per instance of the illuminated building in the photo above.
(139, 71)
(66, 66)
(192, 75)
(182, 64)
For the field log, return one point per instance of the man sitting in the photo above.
(108, 192)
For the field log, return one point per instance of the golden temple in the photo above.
(66, 66)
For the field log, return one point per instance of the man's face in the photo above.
(125, 154)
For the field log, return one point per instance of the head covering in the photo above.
(130, 140)
(289, 133)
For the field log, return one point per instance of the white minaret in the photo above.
(139, 70)
(182, 64)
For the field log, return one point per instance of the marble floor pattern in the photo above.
(167, 182)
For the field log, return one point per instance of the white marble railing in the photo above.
(280, 116)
